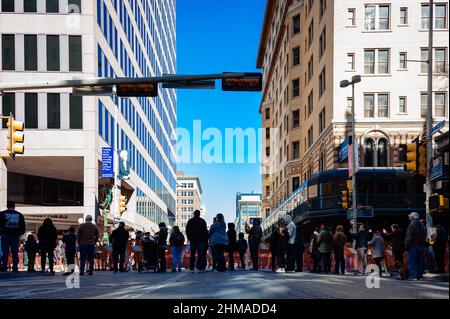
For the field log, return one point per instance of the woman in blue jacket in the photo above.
(219, 241)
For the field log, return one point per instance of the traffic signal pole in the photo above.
(354, 161)
(429, 119)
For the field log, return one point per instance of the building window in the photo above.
(7, 5)
(323, 42)
(267, 151)
(295, 118)
(322, 7)
(75, 54)
(53, 53)
(8, 52)
(76, 112)
(322, 121)
(267, 133)
(311, 33)
(423, 104)
(383, 105)
(403, 63)
(296, 24)
(310, 102)
(31, 110)
(296, 150)
(30, 52)
(310, 136)
(8, 106)
(368, 153)
(438, 61)
(349, 106)
(382, 61)
(439, 105)
(296, 56)
(52, 6)
(369, 105)
(295, 183)
(370, 18)
(402, 106)
(322, 82)
(311, 68)
(383, 19)
(440, 16)
(382, 153)
(295, 87)
(351, 17)
(350, 61)
(403, 16)
(374, 12)
(267, 112)
(29, 6)
(53, 111)
(402, 152)
(74, 6)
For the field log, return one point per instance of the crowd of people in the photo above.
(286, 245)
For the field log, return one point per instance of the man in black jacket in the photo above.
(197, 235)
(12, 226)
(119, 241)
(415, 239)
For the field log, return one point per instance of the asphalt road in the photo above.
(210, 285)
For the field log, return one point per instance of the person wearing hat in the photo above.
(87, 236)
(414, 243)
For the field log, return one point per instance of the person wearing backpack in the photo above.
(176, 241)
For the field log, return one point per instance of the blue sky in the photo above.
(214, 36)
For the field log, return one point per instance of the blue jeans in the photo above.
(176, 258)
(87, 251)
(415, 261)
(7, 242)
(199, 248)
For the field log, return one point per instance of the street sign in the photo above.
(437, 170)
(107, 162)
(363, 212)
(343, 150)
(250, 82)
(137, 90)
(437, 127)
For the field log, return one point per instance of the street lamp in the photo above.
(344, 84)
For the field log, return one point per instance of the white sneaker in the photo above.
(280, 270)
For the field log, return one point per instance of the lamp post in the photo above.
(344, 84)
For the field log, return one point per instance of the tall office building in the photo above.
(248, 208)
(60, 173)
(308, 47)
(189, 199)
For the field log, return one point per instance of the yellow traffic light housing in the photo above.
(344, 199)
(438, 203)
(122, 204)
(422, 160)
(15, 137)
(411, 157)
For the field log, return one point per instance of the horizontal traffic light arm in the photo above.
(100, 82)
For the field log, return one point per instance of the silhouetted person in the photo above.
(219, 241)
(87, 237)
(415, 239)
(197, 235)
(162, 246)
(300, 249)
(47, 236)
(70, 242)
(282, 239)
(339, 240)
(12, 226)
(119, 240)
(242, 247)
(176, 241)
(397, 238)
(254, 240)
(232, 245)
(31, 248)
(439, 246)
(274, 247)
(291, 252)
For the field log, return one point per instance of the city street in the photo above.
(228, 285)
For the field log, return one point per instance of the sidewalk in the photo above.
(20, 274)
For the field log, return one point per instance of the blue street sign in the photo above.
(437, 127)
(364, 212)
(107, 162)
(437, 170)
(343, 150)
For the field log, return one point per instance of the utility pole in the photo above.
(429, 120)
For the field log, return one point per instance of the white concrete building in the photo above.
(189, 199)
(60, 173)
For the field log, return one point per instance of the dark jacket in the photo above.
(176, 238)
(162, 237)
(254, 234)
(12, 223)
(31, 247)
(47, 237)
(397, 238)
(273, 241)
(282, 239)
(361, 238)
(300, 240)
(416, 234)
(325, 242)
(197, 230)
(70, 240)
(242, 245)
(232, 241)
(119, 239)
(339, 239)
(441, 239)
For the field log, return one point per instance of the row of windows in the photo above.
(378, 16)
(32, 109)
(186, 194)
(147, 208)
(31, 46)
(185, 210)
(51, 6)
(186, 201)
(187, 185)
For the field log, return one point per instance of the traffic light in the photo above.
(438, 202)
(411, 157)
(422, 160)
(15, 137)
(344, 199)
(250, 82)
(122, 204)
(137, 90)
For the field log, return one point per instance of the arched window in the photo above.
(382, 153)
(368, 153)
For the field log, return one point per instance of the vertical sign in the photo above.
(107, 162)
(350, 160)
